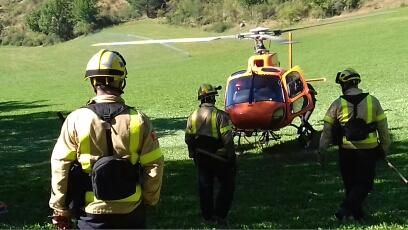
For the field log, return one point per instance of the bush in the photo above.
(84, 11)
(317, 12)
(33, 39)
(184, 12)
(233, 11)
(264, 11)
(147, 7)
(219, 27)
(32, 20)
(293, 11)
(82, 28)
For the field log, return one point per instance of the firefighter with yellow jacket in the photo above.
(107, 164)
(210, 143)
(357, 123)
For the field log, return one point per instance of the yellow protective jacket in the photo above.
(209, 121)
(83, 137)
(368, 109)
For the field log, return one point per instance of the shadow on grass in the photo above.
(26, 144)
(7, 106)
(169, 126)
(283, 187)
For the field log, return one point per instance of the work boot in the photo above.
(359, 215)
(209, 221)
(343, 214)
(3, 208)
(222, 223)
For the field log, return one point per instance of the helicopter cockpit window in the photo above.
(267, 89)
(263, 89)
(294, 83)
(238, 91)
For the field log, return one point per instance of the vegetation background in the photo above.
(279, 186)
(44, 22)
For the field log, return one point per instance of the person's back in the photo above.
(210, 143)
(106, 129)
(357, 124)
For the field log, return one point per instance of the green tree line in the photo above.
(61, 20)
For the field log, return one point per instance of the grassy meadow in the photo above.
(277, 187)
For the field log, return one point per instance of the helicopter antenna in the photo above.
(290, 50)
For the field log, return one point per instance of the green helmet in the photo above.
(206, 90)
(348, 75)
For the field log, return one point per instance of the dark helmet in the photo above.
(348, 75)
(206, 90)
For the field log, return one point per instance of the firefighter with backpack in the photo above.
(107, 165)
(210, 144)
(356, 123)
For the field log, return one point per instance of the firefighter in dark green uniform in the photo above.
(210, 143)
(357, 124)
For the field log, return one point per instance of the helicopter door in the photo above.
(296, 93)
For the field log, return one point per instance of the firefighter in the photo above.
(87, 138)
(210, 144)
(356, 123)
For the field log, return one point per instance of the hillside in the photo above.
(13, 13)
(218, 17)
(278, 187)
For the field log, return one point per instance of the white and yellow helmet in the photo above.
(107, 65)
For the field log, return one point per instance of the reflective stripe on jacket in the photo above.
(209, 121)
(368, 109)
(83, 137)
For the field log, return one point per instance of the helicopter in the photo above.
(264, 97)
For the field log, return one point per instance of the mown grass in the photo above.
(277, 187)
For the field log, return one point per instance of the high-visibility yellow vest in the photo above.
(134, 157)
(371, 141)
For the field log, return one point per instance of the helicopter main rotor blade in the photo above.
(162, 41)
(281, 31)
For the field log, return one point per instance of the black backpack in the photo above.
(112, 177)
(357, 129)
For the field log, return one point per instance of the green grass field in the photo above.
(277, 187)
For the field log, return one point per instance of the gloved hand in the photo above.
(61, 222)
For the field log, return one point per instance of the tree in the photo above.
(32, 20)
(148, 7)
(84, 11)
(54, 18)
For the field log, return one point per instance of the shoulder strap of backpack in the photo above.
(354, 100)
(107, 112)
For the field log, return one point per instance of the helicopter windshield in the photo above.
(263, 89)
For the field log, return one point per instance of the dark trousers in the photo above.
(357, 167)
(133, 220)
(210, 170)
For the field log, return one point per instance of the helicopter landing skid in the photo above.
(260, 138)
